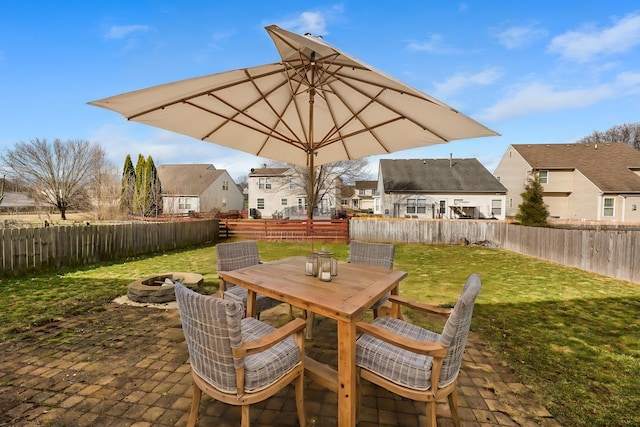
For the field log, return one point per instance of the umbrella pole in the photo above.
(310, 203)
(311, 151)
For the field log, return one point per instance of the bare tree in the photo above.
(242, 181)
(326, 177)
(629, 133)
(58, 174)
(105, 193)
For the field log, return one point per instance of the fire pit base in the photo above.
(157, 289)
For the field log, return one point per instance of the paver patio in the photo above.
(128, 366)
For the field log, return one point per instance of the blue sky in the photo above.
(536, 71)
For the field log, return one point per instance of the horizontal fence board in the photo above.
(612, 252)
(287, 230)
(35, 249)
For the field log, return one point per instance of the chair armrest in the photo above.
(433, 349)
(269, 340)
(420, 306)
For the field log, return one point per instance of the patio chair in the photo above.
(235, 255)
(236, 360)
(414, 362)
(376, 255)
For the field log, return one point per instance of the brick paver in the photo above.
(128, 366)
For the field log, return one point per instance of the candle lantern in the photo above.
(310, 266)
(324, 265)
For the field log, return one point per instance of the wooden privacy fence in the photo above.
(35, 249)
(290, 230)
(612, 253)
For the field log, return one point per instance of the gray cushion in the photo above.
(411, 369)
(213, 326)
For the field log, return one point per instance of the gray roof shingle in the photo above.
(438, 176)
(187, 179)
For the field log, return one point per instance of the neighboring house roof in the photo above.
(609, 166)
(187, 179)
(347, 191)
(268, 171)
(438, 176)
(366, 185)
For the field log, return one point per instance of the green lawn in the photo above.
(573, 336)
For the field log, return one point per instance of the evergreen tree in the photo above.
(154, 189)
(140, 194)
(532, 211)
(128, 186)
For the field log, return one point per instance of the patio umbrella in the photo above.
(317, 105)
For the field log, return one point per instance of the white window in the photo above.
(443, 207)
(543, 177)
(225, 185)
(302, 203)
(374, 191)
(224, 203)
(361, 192)
(283, 202)
(411, 206)
(260, 204)
(609, 205)
(496, 207)
(264, 183)
(510, 202)
(457, 201)
(184, 203)
(345, 202)
(422, 206)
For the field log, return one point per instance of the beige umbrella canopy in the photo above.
(318, 105)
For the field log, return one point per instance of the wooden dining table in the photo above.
(345, 298)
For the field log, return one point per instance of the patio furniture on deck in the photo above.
(344, 299)
(238, 361)
(414, 362)
(232, 256)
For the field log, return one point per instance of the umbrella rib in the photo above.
(279, 115)
(204, 92)
(354, 115)
(241, 111)
(388, 107)
(279, 137)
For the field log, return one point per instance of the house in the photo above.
(439, 188)
(198, 188)
(16, 202)
(364, 196)
(281, 193)
(347, 192)
(592, 182)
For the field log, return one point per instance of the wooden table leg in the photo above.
(251, 303)
(395, 308)
(346, 373)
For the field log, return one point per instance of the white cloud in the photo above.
(307, 22)
(539, 97)
(435, 44)
(518, 36)
(169, 148)
(121, 31)
(461, 81)
(590, 43)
